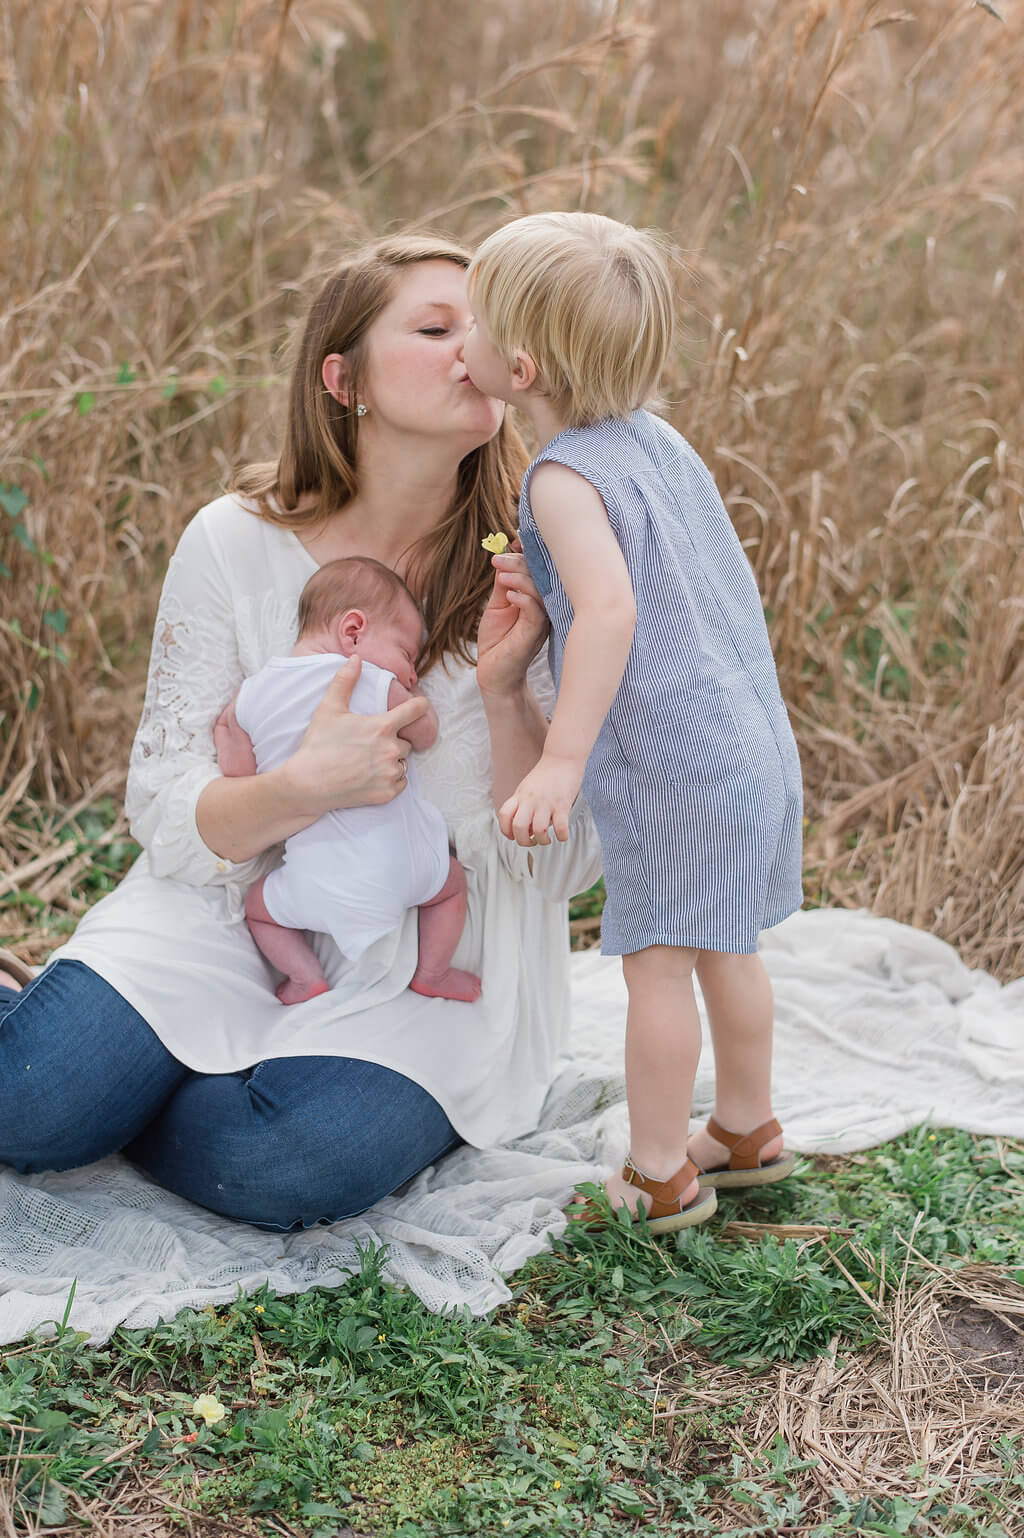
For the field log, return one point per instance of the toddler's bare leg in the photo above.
(442, 921)
(286, 949)
(662, 1050)
(738, 995)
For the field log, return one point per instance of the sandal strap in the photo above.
(745, 1150)
(666, 1195)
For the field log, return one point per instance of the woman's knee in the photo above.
(297, 1141)
(80, 1071)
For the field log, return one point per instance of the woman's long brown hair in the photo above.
(447, 567)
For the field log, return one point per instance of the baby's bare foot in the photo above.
(451, 984)
(295, 991)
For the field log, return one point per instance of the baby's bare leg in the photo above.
(738, 995)
(286, 949)
(442, 921)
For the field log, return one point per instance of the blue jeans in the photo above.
(291, 1142)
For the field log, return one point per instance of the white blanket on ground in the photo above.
(880, 1027)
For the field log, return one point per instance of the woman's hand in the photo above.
(343, 760)
(351, 760)
(512, 627)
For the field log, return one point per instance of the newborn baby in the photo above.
(353, 873)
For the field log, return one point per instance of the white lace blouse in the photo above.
(172, 938)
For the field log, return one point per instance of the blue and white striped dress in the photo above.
(694, 780)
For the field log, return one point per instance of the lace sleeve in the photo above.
(194, 669)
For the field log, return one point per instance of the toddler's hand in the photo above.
(541, 801)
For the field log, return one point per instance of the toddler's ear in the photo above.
(524, 371)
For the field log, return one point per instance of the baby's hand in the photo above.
(541, 801)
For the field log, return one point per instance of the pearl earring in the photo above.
(360, 410)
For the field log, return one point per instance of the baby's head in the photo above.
(360, 608)
(589, 300)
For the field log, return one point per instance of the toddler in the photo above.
(669, 715)
(354, 872)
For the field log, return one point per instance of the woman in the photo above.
(142, 1033)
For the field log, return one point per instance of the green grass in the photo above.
(355, 1407)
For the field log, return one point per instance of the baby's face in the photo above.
(395, 643)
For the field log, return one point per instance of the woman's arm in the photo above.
(343, 760)
(195, 825)
(574, 522)
(512, 630)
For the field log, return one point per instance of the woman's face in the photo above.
(415, 379)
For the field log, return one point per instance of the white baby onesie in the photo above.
(353, 873)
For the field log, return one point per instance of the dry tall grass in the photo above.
(843, 180)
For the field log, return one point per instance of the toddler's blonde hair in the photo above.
(588, 298)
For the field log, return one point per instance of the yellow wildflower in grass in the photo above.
(260, 1309)
(495, 544)
(209, 1408)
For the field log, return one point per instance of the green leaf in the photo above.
(5, 571)
(84, 403)
(23, 537)
(52, 1508)
(57, 619)
(169, 390)
(218, 385)
(125, 374)
(321, 1509)
(13, 500)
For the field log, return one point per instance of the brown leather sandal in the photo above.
(16, 968)
(666, 1212)
(744, 1167)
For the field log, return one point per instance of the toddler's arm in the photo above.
(233, 743)
(574, 522)
(421, 733)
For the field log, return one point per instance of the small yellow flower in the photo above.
(209, 1408)
(495, 544)
(260, 1309)
(557, 1484)
(382, 1338)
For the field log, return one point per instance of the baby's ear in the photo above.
(349, 629)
